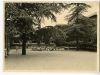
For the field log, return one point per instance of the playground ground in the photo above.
(81, 61)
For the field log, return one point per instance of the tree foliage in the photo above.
(51, 34)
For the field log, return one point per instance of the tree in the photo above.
(39, 11)
(50, 33)
(24, 26)
(77, 10)
(20, 13)
(10, 12)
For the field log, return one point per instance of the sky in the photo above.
(61, 17)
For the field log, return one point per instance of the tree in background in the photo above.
(10, 13)
(74, 19)
(50, 35)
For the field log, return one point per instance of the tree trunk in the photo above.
(7, 45)
(39, 23)
(24, 45)
(77, 43)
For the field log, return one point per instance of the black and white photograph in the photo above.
(51, 36)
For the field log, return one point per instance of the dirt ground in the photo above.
(70, 61)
